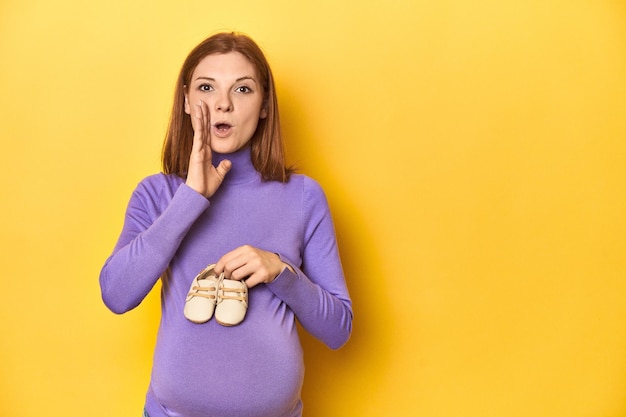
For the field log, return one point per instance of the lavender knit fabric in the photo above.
(171, 232)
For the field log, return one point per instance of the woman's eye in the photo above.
(205, 87)
(243, 89)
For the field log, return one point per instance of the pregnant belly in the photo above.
(253, 369)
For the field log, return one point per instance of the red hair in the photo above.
(267, 150)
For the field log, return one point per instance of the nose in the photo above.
(223, 102)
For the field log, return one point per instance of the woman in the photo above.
(227, 200)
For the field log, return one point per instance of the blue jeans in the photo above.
(145, 413)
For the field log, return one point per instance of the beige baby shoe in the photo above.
(232, 302)
(202, 296)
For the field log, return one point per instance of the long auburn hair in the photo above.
(267, 150)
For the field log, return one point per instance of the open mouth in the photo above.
(222, 127)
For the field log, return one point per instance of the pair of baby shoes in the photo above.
(210, 293)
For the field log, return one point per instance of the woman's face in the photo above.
(229, 85)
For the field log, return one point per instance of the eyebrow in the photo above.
(246, 77)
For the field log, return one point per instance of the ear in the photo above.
(187, 107)
(263, 113)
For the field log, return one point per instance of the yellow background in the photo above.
(473, 153)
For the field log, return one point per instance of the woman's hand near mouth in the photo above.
(203, 177)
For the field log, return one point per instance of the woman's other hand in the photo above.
(251, 264)
(203, 177)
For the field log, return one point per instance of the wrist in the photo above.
(282, 269)
(287, 266)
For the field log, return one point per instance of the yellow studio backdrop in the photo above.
(473, 153)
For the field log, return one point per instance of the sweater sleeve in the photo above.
(149, 239)
(317, 292)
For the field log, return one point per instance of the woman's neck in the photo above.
(242, 169)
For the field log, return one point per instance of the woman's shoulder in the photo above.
(311, 188)
(304, 181)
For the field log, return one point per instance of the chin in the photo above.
(227, 147)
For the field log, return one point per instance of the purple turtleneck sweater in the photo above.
(172, 232)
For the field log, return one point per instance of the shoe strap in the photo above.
(194, 292)
(223, 296)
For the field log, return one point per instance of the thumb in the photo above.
(223, 168)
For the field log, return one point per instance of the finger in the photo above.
(197, 125)
(235, 253)
(250, 265)
(253, 278)
(206, 123)
(223, 168)
(232, 260)
(252, 281)
(235, 267)
(243, 272)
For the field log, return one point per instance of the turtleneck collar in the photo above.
(242, 170)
